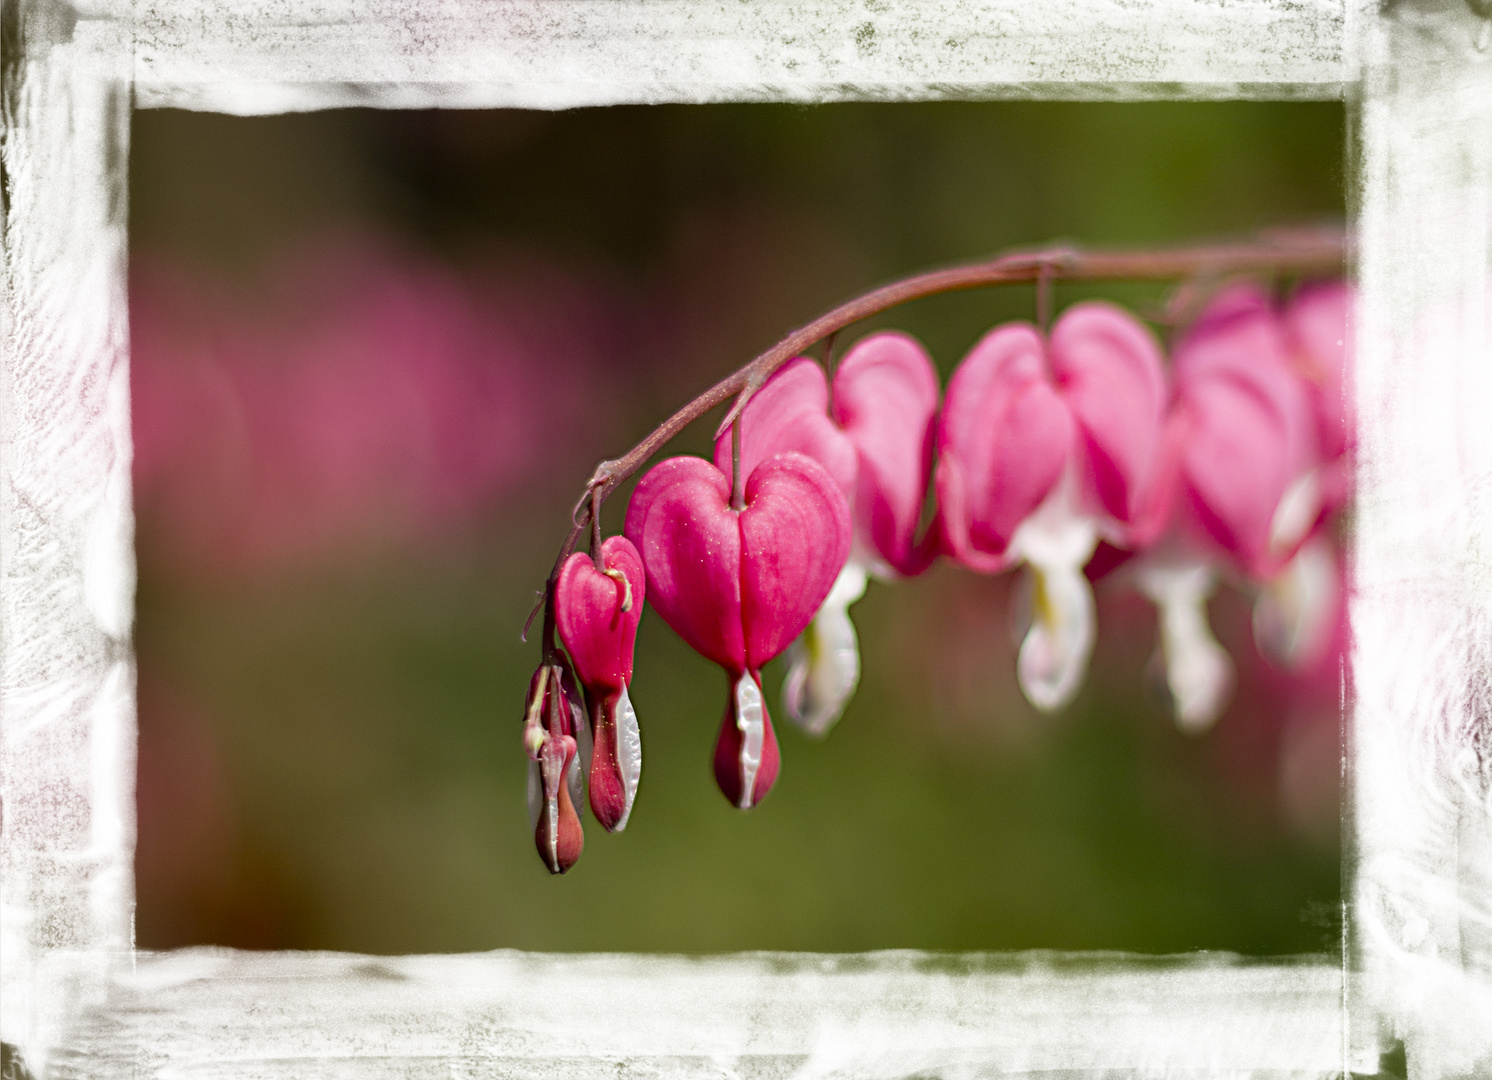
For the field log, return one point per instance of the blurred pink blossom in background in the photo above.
(356, 394)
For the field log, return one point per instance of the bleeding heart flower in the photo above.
(739, 585)
(1044, 447)
(875, 439)
(1240, 490)
(596, 613)
(1245, 436)
(554, 735)
(1296, 612)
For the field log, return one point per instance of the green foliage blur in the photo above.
(329, 751)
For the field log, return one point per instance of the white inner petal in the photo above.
(580, 765)
(751, 723)
(552, 767)
(628, 753)
(824, 663)
(1297, 511)
(1199, 671)
(1056, 542)
(1293, 614)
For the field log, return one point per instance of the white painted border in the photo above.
(71, 990)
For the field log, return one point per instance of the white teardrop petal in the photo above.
(628, 753)
(751, 723)
(824, 663)
(1056, 542)
(1199, 671)
(1054, 655)
(1294, 612)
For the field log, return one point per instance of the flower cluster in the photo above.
(1069, 456)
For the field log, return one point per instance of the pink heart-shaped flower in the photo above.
(1247, 426)
(597, 613)
(791, 412)
(1003, 441)
(1108, 369)
(886, 402)
(875, 439)
(1021, 411)
(738, 586)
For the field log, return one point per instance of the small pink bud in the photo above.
(597, 613)
(554, 718)
(557, 833)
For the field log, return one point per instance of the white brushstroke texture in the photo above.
(1421, 613)
(67, 721)
(267, 56)
(217, 1013)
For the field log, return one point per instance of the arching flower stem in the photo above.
(1312, 252)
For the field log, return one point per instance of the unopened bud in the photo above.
(557, 833)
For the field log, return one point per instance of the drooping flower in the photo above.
(555, 737)
(875, 439)
(596, 613)
(1046, 445)
(1297, 608)
(740, 585)
(1229, 497)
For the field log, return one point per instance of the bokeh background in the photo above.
(375, 356)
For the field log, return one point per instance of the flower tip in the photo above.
(557, 831)
(559, 838)
(746, 754)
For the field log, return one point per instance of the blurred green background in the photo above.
(330, 695)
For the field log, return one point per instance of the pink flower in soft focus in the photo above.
(1298, 607)
(1253, 466)
(875, 440)
(360, 395)
(554, 737)
(740, 585)
(596, 613)
(1044, 447)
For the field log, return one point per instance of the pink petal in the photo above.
(795, 537)
(1109, 369)
(952, 525)
(597, 633)
(791, 412)
(886, 400)
(1248, 421)
(690, 540)
(1008, 431)
(1318, 324)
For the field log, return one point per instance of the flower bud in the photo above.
(596, 613)
(553, 732)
